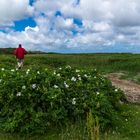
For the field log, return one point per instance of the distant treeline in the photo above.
(11, 51)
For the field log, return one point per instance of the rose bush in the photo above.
(34, 99)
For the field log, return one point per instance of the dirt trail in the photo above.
(131, 89)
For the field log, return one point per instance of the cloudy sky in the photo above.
(71, 26)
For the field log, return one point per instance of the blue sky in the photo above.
(20, 25)
(71, 26)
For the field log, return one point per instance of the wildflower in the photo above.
(33, 86)
(68, 67)
(73, 79)
(77, 70)
(23, 87)
(85, 75)
(2, 69)
(54, 72)
(38, 72)
(74, 101)
(78, 75)
(19, 94)
(97, 93)
(55, 86)
(126, 120)
(79, 78)
(58, 74)
(95, 77)
(60, 68)
(12, 70)
(55, 96)
(116, 90)
(27, 72)
(66, 85)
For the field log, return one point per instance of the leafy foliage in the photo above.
(35, 99)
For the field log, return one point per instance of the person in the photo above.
(19, 53)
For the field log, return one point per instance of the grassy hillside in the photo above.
(102, 62)
(127, 63)
(6, 50)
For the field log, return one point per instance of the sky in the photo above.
(71, 26)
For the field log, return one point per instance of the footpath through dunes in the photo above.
(131, 89)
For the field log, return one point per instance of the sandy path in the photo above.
(131, 89)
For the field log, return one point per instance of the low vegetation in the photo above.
(47, 94)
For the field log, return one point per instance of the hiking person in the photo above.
(19, 53)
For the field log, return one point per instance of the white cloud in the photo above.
(28, 28)
(101, 26)
(12, 10)
(105, 23)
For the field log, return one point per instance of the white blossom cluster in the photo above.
(66, 85)
(27, 72)
(74, 101)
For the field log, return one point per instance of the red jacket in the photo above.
(20, 52)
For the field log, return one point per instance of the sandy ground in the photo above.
(131, 89)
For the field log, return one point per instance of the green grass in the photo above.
(105, 63)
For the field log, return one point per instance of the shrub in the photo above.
(33, 100)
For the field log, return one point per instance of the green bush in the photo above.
(33, 100)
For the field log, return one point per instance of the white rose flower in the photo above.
(38, 72)
(58, 74)
(66, 85)
(54, 72)
(73, 79)
(68, 67)
(33, 86)
(55, 86)
(85, 75)
(79, 78)
(116, 90)
(74, 101)
(19, 94)
(78, 75)
(27, 72)
(12, 70)
(77, 70)
(97, 93)
(23, 87)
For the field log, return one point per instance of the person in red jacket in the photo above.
(19, 53)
